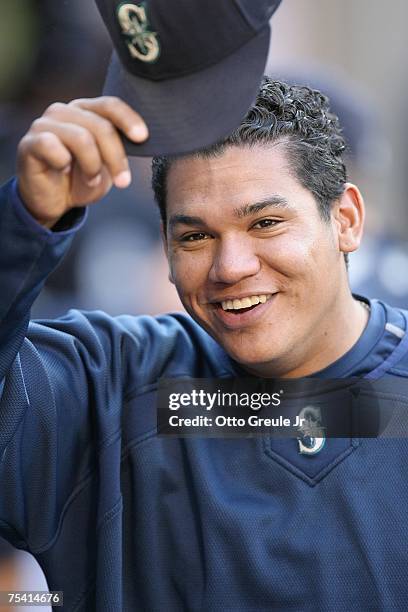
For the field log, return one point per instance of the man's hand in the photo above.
(73, 154)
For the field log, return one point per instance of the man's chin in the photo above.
(249, 347)
(252, 358)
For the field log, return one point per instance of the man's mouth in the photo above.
(237, 313)
(241, 305)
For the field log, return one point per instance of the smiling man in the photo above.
(253, 257)
(257, 231)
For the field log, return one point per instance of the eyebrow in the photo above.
(185, 220)
(274, 201)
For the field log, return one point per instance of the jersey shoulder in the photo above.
(143, 347)
(397, 323)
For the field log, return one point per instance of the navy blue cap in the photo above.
(191, 68)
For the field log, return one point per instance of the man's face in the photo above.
(252, 259)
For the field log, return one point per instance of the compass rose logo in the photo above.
(141, 41)
(311, 439)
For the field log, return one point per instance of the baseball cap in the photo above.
(191, 68)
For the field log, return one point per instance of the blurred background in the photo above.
(353, 50)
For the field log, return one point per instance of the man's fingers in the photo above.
(119, 113)
(105, 134)
(77, 139)
(80, 139)
(47, 149)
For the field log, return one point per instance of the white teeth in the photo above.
(245, 302)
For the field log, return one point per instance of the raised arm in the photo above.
(55, 376)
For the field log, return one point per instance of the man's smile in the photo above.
(235, 313)
(245, 302)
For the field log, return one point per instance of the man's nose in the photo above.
(234, 260)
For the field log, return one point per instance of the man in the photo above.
(257, 231)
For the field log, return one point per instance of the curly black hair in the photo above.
(299, 117)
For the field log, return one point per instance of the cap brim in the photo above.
(195, 111)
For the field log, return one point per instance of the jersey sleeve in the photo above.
(28, 254)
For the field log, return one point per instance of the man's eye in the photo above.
(194, 237)
(265, 223)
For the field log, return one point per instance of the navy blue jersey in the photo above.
(121, 519)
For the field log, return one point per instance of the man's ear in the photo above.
(166, 251)
(348, 214)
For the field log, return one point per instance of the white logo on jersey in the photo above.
(312, 438)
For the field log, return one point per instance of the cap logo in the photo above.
(140, 40)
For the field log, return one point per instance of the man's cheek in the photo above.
(189, 270)
(176, 268)
(290, 257)
(183, 278)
